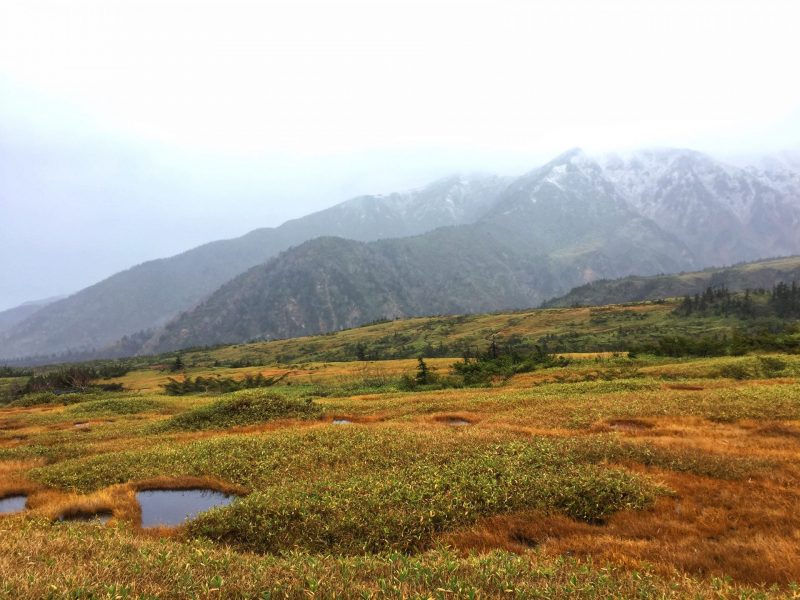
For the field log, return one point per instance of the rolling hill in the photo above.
(761, 274)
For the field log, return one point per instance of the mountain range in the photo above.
(462, 244)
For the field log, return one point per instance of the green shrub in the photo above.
(6, 371)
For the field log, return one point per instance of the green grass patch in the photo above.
(45, 398)
(403, 509)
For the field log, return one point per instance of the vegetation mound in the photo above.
(405, 507)
(114, 406)
(245, 407)
(42, 398)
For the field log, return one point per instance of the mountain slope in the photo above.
(762, 274)
(515, 257)
(148, 295)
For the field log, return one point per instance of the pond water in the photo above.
(629, 424)
(342, 421)
(12, 504)
(173, 507)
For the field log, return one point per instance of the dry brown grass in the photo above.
(116, 500)
(627, 425)
(749, 530)
(119, 501)
(13, 481)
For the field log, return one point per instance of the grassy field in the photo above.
(611, 476)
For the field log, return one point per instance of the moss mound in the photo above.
(245, 407)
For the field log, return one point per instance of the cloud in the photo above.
(174, 122)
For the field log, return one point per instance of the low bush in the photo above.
(494, 365)
(187, 385)
(757, 367)
(41, 398)
(6, 371)
(67, 380)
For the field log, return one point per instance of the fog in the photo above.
(135, 130)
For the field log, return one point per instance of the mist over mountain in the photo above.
(555, 227)
(724, 214)
(461, 244)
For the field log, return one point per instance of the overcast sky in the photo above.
(135, 130)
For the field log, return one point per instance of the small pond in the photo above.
(12, 504)
(455, 421)
(342, 422)
(173, 507)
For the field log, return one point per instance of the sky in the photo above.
(133, 130)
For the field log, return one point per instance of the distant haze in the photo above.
(135, 130)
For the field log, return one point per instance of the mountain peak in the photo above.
(573, 156)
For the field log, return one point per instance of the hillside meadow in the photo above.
(605, 329)
(606, 475)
